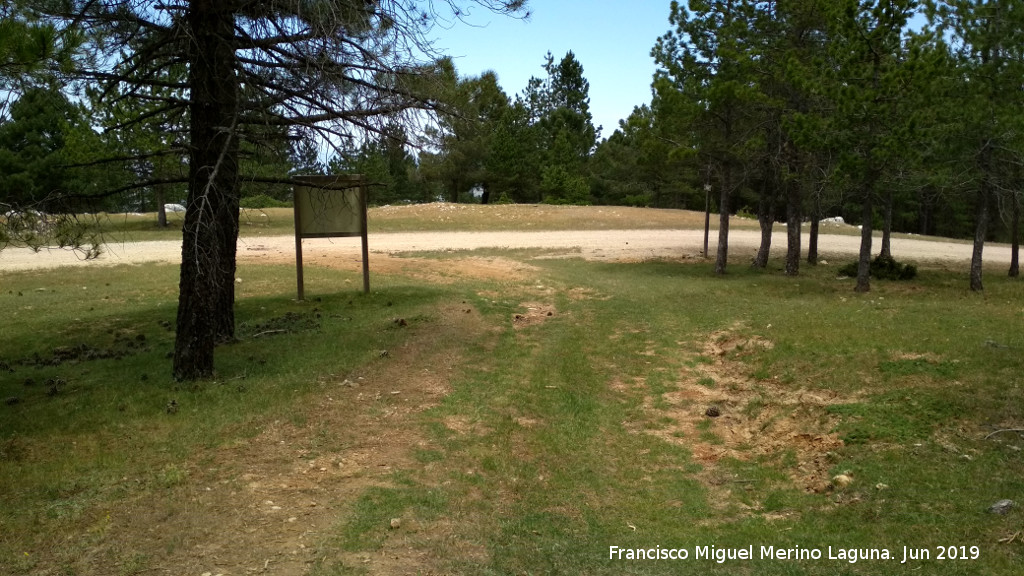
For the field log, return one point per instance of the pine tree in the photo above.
(339, 68)
(559, 108)
(865, 77)
(471, 111)
(983, 100)
(708, 61)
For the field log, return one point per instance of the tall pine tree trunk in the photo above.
(211, 219)
(794, 216)
(980, 230)
(1015, 236)
(981, 217)
(227, 238)
(864, 262)
(766, 220)
(887, 226)
(812, 241)
(924, 212)
(722, 257)
(161, 210)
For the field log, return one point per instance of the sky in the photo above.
(612, 39)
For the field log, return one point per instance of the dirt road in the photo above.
(607, 245)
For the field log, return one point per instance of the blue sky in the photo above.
(612, 39)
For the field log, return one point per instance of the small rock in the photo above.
(172, 407)
(1002, 507)
(842, 480)
(396, 523)
(881, 486)
(712, 412)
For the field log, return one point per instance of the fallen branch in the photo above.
(1004, 430)
(268, 332)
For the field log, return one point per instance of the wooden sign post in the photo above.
(330, 207)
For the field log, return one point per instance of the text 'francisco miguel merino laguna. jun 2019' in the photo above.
(722, 555)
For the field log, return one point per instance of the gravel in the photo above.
(606, 245)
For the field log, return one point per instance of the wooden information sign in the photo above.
(329, 207)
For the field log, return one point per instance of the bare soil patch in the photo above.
(535, 313)
(270, 504)
(720, 411)
(440, 271)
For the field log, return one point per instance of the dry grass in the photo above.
(437, 217)
(441, 216)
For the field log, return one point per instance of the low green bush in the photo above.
(884, 268)
(263, 201)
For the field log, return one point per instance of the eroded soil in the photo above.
(719, 410)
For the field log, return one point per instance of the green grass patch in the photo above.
(556, 439)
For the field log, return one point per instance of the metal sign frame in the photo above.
(333, 206)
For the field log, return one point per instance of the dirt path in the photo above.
(593, 245)
(276, 503)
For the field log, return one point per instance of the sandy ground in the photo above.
(607, 245)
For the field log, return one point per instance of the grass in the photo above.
(553, 440)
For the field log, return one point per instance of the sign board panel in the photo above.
(330, 206)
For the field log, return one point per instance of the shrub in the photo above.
(263, 201)
(884, 268)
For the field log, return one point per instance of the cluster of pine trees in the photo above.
(896, 114)
(899, 115)
(483, 146)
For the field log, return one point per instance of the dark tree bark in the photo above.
(887, 226)
(1015, 236)
(924, 212)
(794, 215)
(812, 241)
(980, 230)
(227, 238)
(453, 193)
(981, 217)
(211, 218)
(864, 263)
(766, 220)
(722, 258)
(161, 211)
